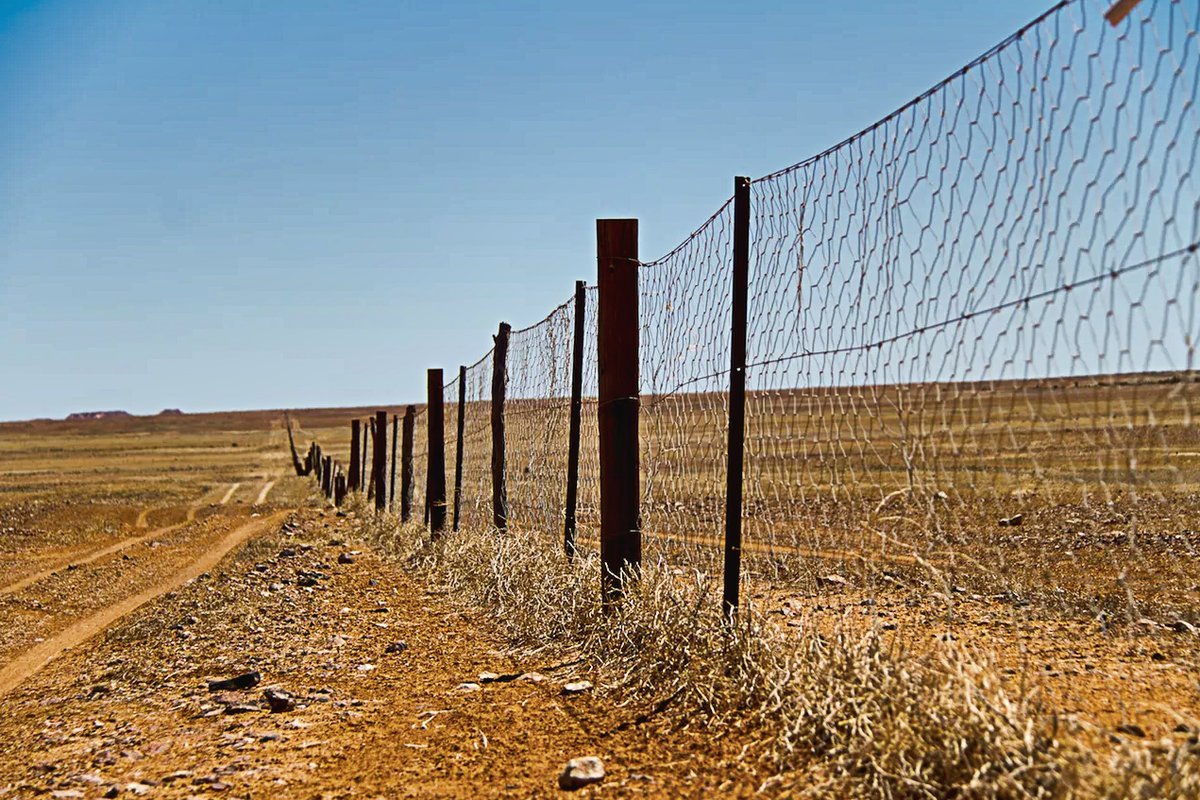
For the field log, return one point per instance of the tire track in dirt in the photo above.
(88, 558)
(266, 490)
(233, 488)
(32, 660)
(143, 519)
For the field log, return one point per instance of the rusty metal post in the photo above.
(436, 420)
(352, 480)
(499, 388)
(458, 443)
(576, 420)
(379, 463)
(619, 400)
(406, 465)
(737, 395)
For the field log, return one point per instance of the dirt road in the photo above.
(29, 662)
(386, 677)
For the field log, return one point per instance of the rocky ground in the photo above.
(350, 678)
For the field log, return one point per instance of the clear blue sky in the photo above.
(187, 187)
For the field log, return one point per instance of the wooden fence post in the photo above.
(499, 387)
(339, 486)
(395, 443)
(296, 465)
(737, 395)
(406, 465)
(576, 419)
(352, 479)
(436, 418)
(379, 463)
(327, 477)
(619, 400)
(458, 443)
(369, 443)
(362, 470)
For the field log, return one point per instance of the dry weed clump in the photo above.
(869, 720)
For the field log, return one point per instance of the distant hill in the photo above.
(97, 415)
(170, 412)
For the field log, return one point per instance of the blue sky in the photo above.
(229, 205)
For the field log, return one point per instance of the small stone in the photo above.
(580, 772)
(242, 708)
(1131, 729)
(1013, 521)
(247, 680)
(577, 687)
(1181, 626)
(488, 677)
(396, 647)
(137, 788)
(176, 775)
(66, 793)
(468, 687)
(533, 677)
(279, 701)
(287, 552)
(306, 580)
(345, 558)
(831, 580)
(113, 791)
(366, 667)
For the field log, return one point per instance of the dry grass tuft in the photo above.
(839, 715)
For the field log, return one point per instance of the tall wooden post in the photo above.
(379, 464)
(499, 387)
(619, 400)
(352, 480)
(458, 443)
(369, 460)
(737, 394)
(327, 477)
(362, 469)
(576, 419)
(392, 482)
(406, 465)
(435, 414)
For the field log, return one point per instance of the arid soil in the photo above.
(386, 681)
(142, 559)
(122, 596)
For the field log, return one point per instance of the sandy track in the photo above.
(29, 662)
(143, 520)
(233, 488)
(88, 558)
(266, 490)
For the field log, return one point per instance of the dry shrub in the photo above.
(868, 720)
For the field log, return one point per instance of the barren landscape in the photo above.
(144, 558)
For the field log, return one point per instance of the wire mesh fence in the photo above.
(971, 325)
(970, 342)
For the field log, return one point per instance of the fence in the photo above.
(960, 342)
